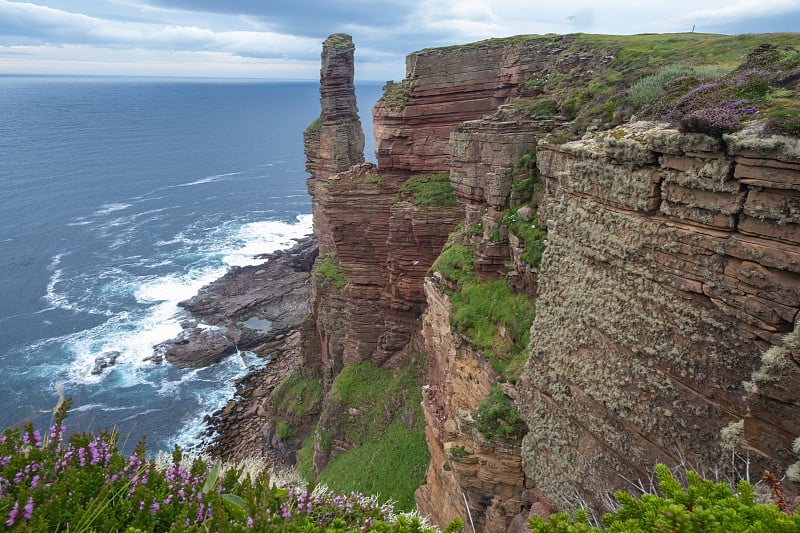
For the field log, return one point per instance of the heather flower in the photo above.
(28, 509)
(722, 118)
(753, 83)
(12, 516)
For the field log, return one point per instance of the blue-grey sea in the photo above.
(118, 199)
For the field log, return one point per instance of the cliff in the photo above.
(666, 279)
(577, 293)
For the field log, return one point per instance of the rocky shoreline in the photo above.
(257, 309)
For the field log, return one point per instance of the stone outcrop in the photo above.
(658, 297)
(382, 244)
(249, 309)
(447, 86)
(335, 141)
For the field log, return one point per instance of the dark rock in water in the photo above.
(249, 307)
(104, 360)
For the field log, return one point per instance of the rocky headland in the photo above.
(257, 309)
(552, 280)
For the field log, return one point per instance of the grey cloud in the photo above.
(308, 18)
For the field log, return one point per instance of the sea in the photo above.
(119, 198)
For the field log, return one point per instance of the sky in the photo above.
(282, 39)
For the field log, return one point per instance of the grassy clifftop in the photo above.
(631, 74)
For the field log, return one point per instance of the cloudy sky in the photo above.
(281, 39)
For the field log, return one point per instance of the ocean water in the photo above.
(118, 199)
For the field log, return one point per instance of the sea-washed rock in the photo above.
(247, 308)
(103, 361)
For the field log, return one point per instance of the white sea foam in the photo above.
(225, 374)
(90, 406)
(111, 208)
(209, 179)
(51, 296)
(266, 237)
(171, 388)
(130, 335)
(134, 332)
(176, 287)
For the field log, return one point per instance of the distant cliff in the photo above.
(571, 292)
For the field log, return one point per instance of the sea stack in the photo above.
(335, 141)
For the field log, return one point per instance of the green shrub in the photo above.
(498, 417)
(784, 121)
(391, 465)
(458, 452)
(429, 190)
(650, 88)
(316, 125)
(543, 109)
(328, 270)
(532, 236)
(377, 179)
(305, 458)
(396, 95)
(532, 82)
(284, 430)
(86, 485)
(702, 506)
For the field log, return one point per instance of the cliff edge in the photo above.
(577, 256)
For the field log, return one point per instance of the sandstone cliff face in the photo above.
(665, 279)
(446, 86)
(466, 467)
(382, 243)
(670, 279)
(335, 141)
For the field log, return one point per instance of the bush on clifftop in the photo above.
(84, 483)
(701, 507)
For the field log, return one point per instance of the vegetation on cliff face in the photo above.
(327, 270)
(378, 429)
(316, 125)
(293, 401)
(631, 73)
(498, 417)
(697, 81)
(395, 95)
(497, 320)
(522, 219)
(428, 190)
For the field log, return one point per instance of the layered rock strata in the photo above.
(335, 141)
(382, 243)
(469, 475)
(670, 271)
(447, 86)
(665, 280)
